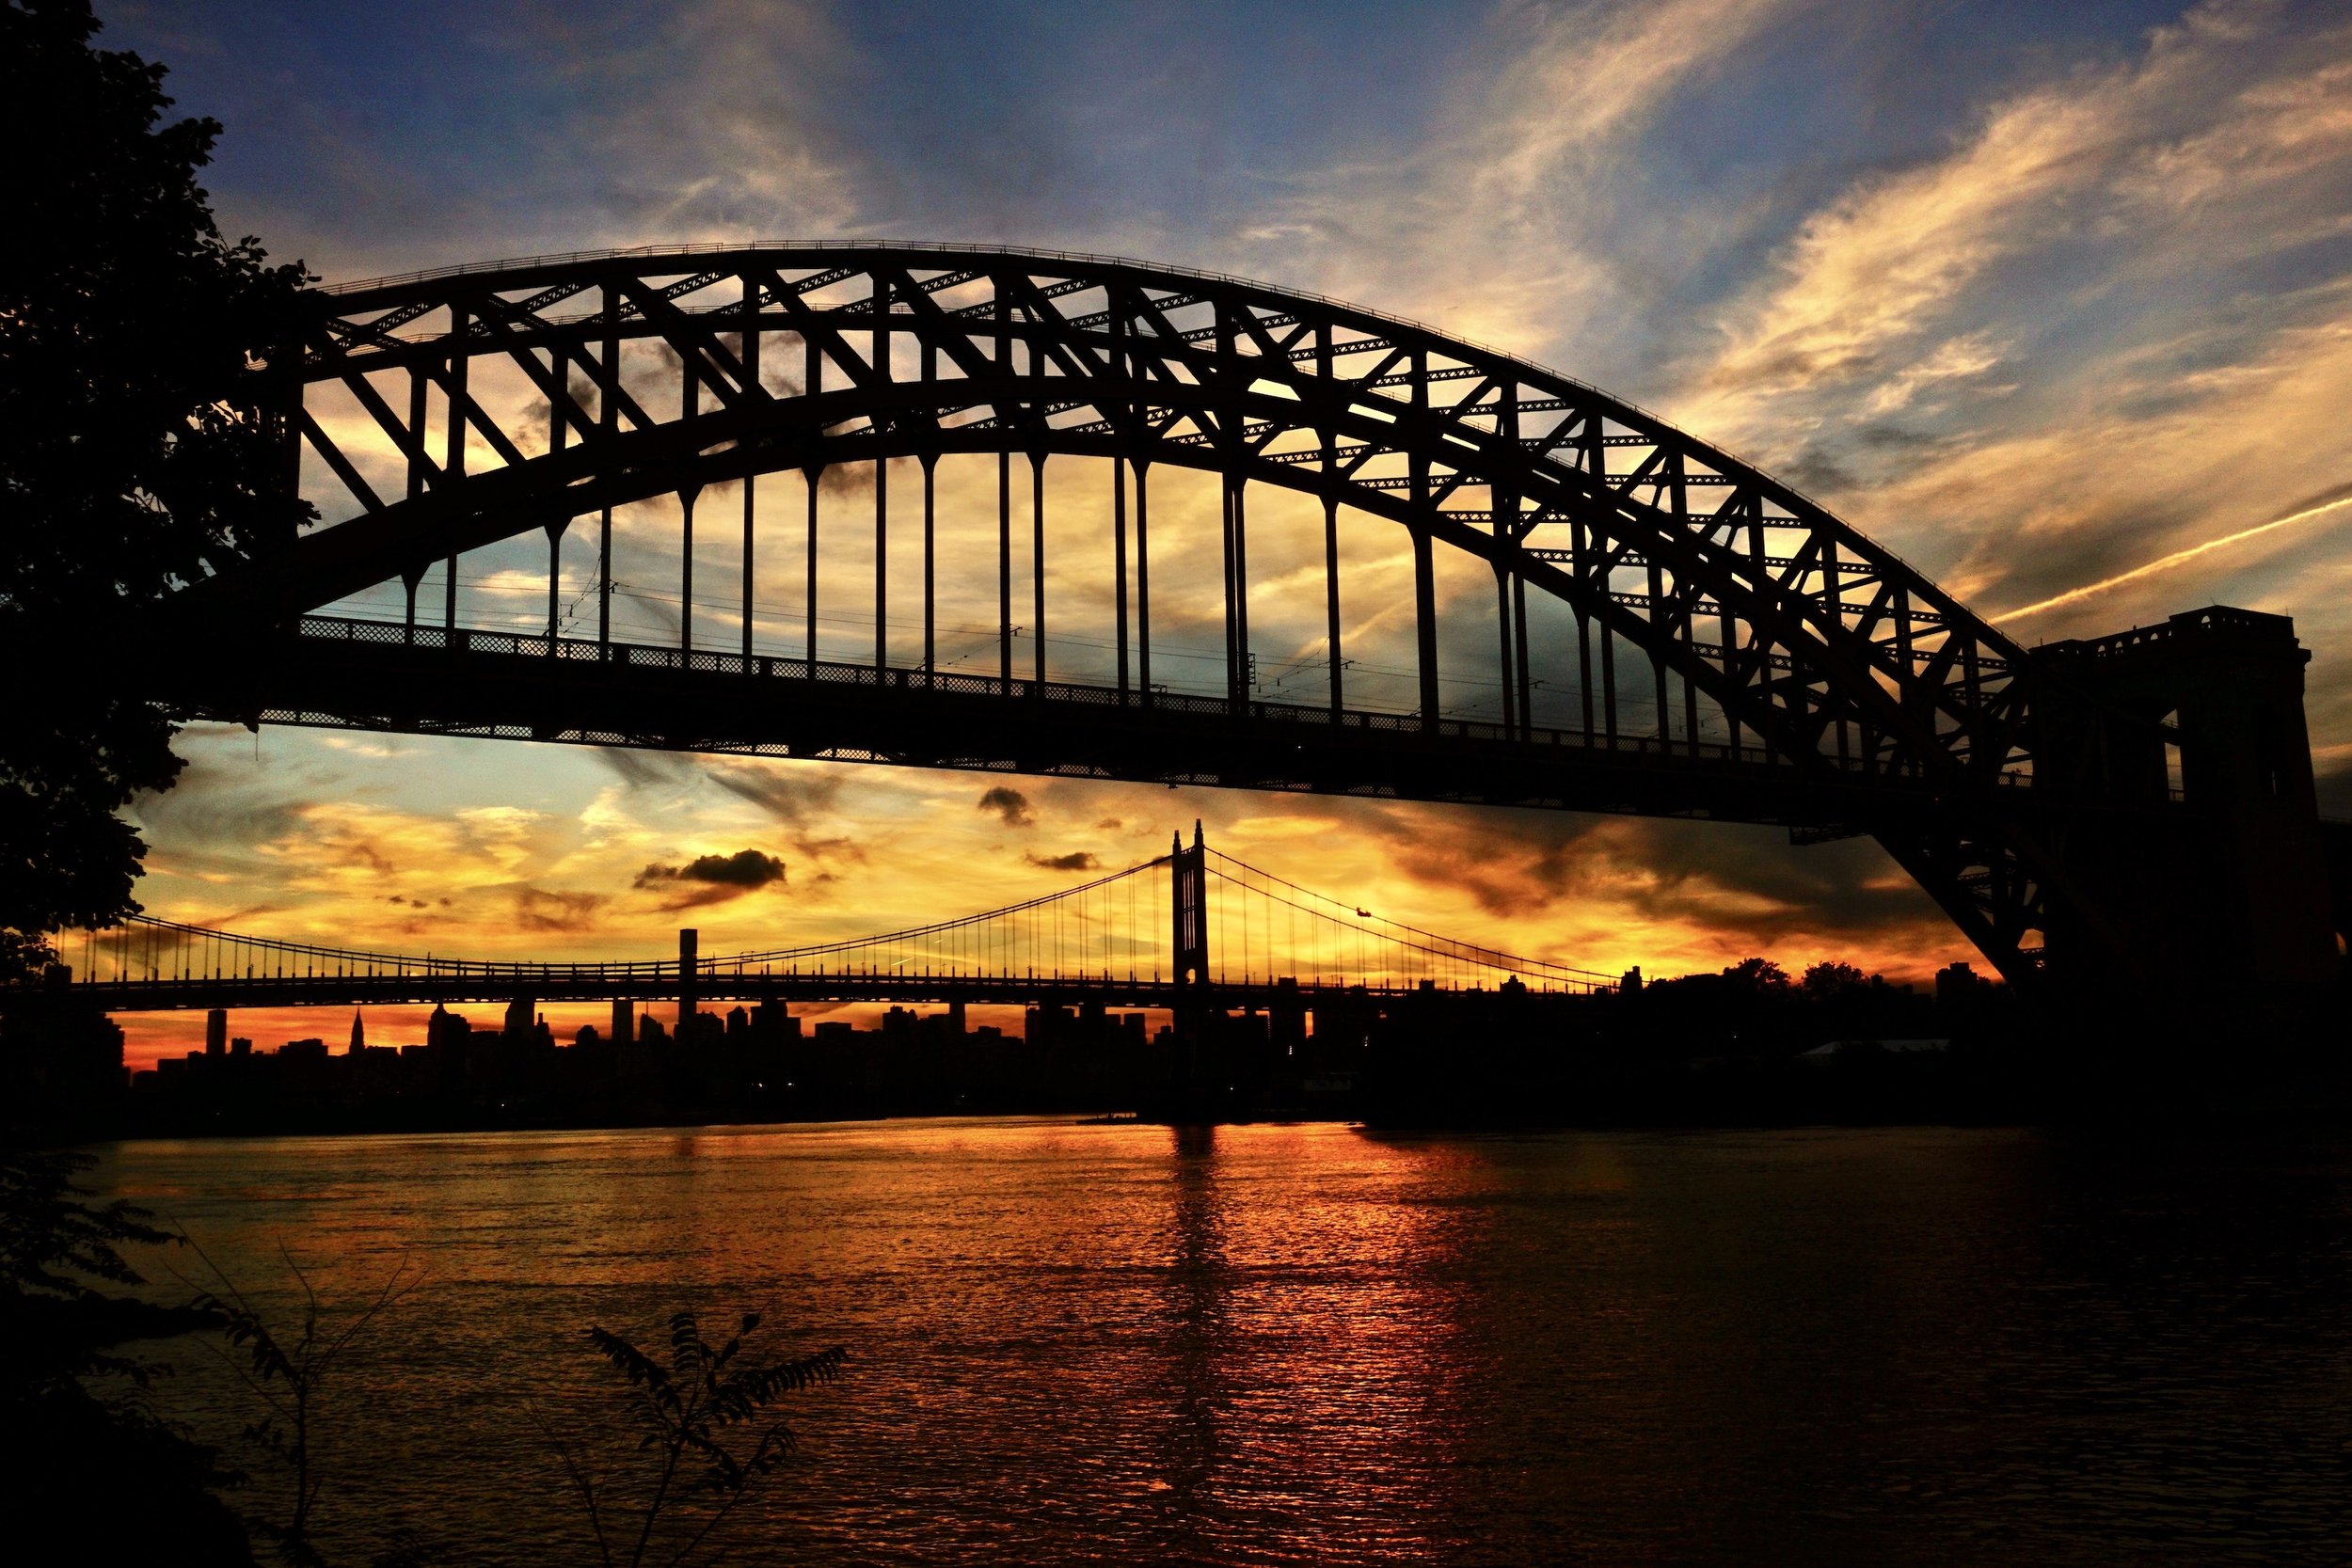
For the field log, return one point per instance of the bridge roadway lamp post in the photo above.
(689, 977)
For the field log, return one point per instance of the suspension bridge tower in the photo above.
(1190, 872)
(1192, 1094)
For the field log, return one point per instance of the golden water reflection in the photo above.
(1317, 1345)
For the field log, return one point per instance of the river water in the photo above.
(1318, 1344)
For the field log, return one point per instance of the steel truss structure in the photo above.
(1857, 695)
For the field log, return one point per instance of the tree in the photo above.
(1831, 979)
(135, 349)
(1760, 975)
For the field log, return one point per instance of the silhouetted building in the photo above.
(520, 1015)
(1957, 988)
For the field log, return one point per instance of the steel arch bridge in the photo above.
(1663, 630)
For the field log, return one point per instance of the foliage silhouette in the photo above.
(1762, 976)
(75, 1406)
(1831, 979)
(135, 346)
(288, 1377)
(694, 1415)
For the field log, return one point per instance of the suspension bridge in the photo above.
(967, 506)
(1191, 931)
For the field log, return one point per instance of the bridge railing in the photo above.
(144, 950)
(538, 645)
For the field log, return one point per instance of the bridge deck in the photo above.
(179, 994)
(374, 675)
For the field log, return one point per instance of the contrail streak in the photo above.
(2166, 561)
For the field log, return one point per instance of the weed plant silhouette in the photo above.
(287, 1376)
(704, 1424)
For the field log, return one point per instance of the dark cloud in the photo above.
(1512, 867)
(2318, 497)
(1902, 441)
(712, 878)
(647, 769)
(1736, 878)
(1009, 803)
(2334, 780)
(781, 379)
(536, 422)
(792, 799)
(1110, 825)
(845, 479)
(1077, 860)
(223, 805)
(744, 869)
(796, 800)
(2100, 547)
(854, 479)
(1817, 472)
(540, 909)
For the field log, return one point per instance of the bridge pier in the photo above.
(2206, 856)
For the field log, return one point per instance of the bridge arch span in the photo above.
(1736, 650)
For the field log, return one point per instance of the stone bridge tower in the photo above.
(2227, 901)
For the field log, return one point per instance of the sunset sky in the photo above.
(2055, 300)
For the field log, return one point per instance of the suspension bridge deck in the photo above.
(1125, 939)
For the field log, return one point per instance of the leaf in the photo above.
(629, 1360)
(687, 1350)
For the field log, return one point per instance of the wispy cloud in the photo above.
(2178, 558)
(2097, 337)
(1867, 277)
(712, 121)
(1496, 224)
